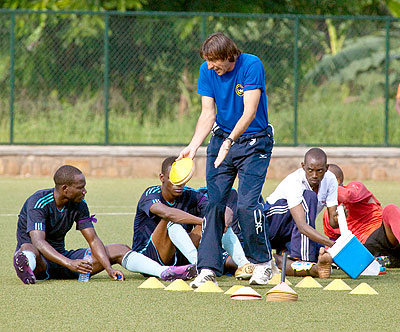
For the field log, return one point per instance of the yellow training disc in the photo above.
(181, 171)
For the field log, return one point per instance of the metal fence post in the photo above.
(12, 75)
(296, 78)
(386, 124)
(106, 77)
(203, 28)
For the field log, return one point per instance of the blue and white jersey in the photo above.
(41, 213)
(191, 201)
(228, 91)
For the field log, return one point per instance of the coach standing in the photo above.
(234, 107)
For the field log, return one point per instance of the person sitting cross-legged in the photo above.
(43, 223)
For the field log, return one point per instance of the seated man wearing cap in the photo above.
(167, 225)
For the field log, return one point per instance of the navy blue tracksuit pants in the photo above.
(283, 232)
(248, 159)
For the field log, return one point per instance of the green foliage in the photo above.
(359, 56)
(394, 7)
(315, 7)
(95, 5)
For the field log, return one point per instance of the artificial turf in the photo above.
(106, 305)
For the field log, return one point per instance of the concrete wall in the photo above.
(145, 162)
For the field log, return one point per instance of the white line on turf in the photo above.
(97, 214)
(110, 206)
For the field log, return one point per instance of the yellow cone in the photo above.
(151, 282)
(337, 284)
(309, 282)
(233, 289)
(364, 288)
(276, 280)
(209, 287)
(281, 293)
(178, 285)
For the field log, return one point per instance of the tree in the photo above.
(95, 5)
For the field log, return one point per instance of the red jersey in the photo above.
(364, 211)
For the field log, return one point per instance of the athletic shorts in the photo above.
(56, 271)
(379, 245)
(151, 251)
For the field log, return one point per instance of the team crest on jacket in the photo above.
(239, 90)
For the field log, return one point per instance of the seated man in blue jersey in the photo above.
(43, 223)
(291, 211)
(167, 226)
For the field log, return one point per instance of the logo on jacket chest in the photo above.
(239, 90)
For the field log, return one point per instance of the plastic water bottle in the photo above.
(84, 277)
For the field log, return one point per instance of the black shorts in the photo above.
(379, 245)
(56, 271)
(151, 252)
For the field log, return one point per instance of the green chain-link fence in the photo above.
(131, 78)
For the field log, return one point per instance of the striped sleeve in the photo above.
(36, 220)
(36, 213)
(151, 196)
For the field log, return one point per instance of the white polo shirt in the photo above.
(291, 188)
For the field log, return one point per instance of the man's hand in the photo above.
(116, 274)
(223, 151)
(80, 266)
(187, 152)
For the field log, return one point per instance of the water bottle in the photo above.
(84, 277)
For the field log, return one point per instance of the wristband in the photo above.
(230, 140)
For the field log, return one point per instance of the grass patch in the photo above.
(105, 305)
(326, 115)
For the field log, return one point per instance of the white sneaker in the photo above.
(262, 274)
(274, 267)
(202, 277)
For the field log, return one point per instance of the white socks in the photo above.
(31, 259)
(181, 239)
(137, 262)
(231, 244)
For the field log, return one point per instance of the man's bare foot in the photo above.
(324, 263)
